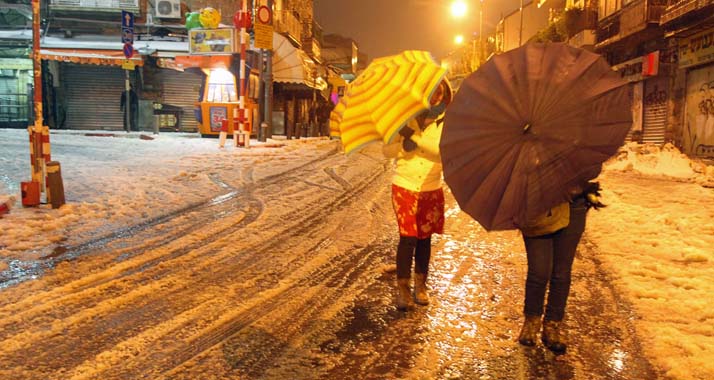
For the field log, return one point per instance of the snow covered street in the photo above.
(176, 260)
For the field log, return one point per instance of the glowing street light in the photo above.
(459, 9)
(459, 39)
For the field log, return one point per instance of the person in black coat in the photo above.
(134, 108)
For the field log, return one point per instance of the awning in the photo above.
(292, 65)
(89, 56)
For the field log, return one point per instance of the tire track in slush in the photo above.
(314, 219)
(187, 223)
(226, 329)
(15, 275)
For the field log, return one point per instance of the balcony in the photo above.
(312, 40)
(583, 39)
(636, 18)
(312, 47)
(679, 8)
(578, 20)
(639, 15)
(288, 24)
(95, 5)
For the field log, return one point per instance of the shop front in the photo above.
(696, 57)
(90, 86)
(15, 92)
(300, 91)
(650, 94)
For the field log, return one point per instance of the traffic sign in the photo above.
(127, 36)
(263, 35)
(127, 27)
(127, 19)
(128, 64)
(264, 14)
(128, 50)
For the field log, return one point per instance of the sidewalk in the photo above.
(111, 181)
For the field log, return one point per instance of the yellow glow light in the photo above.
(458, 9)
(459, 39)
(221, 76)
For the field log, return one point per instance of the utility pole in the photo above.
(480, 34)
(241, 133)
(268, 77)
(520, 30)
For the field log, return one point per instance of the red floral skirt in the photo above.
(419, 214)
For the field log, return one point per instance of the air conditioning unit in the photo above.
(168, 8)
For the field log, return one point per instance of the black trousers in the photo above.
(412, 248)
(550, 261)
(133, 119)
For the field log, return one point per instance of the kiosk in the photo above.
(218, 97)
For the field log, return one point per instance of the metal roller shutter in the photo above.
(654, 111)
(93, 94)
(181, 89)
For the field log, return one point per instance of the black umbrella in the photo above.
(528, 127)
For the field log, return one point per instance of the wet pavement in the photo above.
(289, 277)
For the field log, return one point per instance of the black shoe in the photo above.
(553, 337)
(530, 330)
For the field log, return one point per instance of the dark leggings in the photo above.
(410, 247)
(550, 260)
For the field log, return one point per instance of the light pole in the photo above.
(520, 30)
(480, 33)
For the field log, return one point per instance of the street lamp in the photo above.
(459, 9)
(459, 39)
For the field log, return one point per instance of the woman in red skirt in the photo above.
(417, 195)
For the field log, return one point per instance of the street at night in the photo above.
(356, 189)
(285, 273)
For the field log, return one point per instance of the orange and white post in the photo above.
(39, 133)
(241, 136)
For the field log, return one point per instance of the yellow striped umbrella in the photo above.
(382, 99)
(336, 118)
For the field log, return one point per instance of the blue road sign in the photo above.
(128, 50)
(127, 27)
(127, 36)
(127, 20)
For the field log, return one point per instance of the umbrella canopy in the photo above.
(336, 118)
(390, 92)
(528, 127)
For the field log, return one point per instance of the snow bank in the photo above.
(661, 161)
(657, 238)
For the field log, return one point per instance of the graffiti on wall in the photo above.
(699, 124)
(656, 97)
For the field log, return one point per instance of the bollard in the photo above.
(55, 188)
(30, 193)
(263, 132)
(223, 133)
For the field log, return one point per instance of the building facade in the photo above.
(85, 71)
(629, 36)
(689, 27)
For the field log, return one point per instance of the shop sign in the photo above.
(211, 41)
(650, 64)
(631, 70)
(696, 49)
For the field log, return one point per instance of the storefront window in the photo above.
(221, 87)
